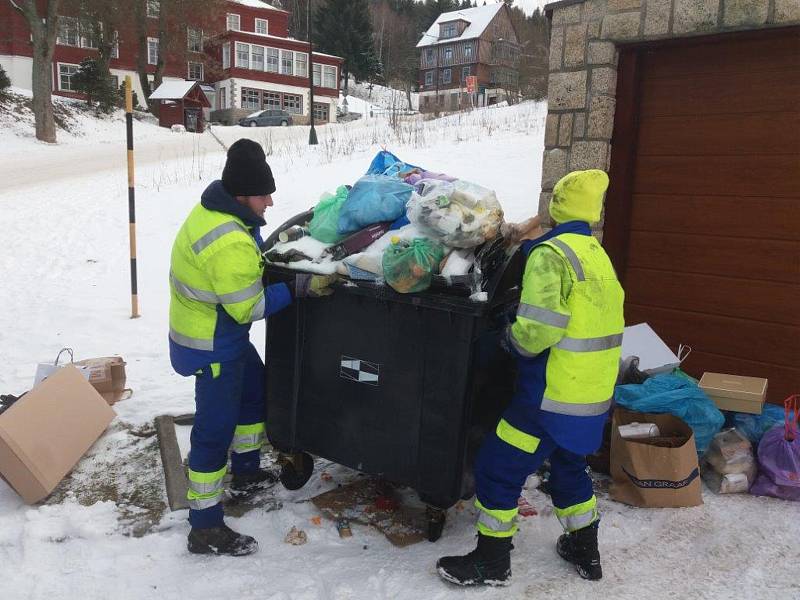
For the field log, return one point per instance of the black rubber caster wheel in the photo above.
(436, 520)
(296, 470)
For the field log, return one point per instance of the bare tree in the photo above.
(170, 26)
(43, 31)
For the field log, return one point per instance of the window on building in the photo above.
(318, 75)
(251, 99)
(272, 100)
(88, 39)
(115, 47)
(194, 40)
(152, 51)
(448, 30)
(300, 64)
(195, 71)
(447, 75)
(429, 55)
(429, 78)
(68, 34)
(293, 103)
(322, 113)
(262, 27)
(223, 98)
(272, 60)
(329, 77)
(153, 8)
(65, 73)
(242, 55)
(234, 22)
(226, 56)
(448, 55)
(286, 62)
(468, 52)
(465, 72)
(257, 58)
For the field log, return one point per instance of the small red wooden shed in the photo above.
(181, 103)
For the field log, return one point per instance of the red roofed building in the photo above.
(247, 63)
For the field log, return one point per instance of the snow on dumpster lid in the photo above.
(172, 90)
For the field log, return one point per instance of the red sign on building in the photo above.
(472, 84)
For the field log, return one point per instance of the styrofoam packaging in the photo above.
(634, 431)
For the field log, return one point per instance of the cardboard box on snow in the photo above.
(734, 392)
(47, 431)
(107, 376)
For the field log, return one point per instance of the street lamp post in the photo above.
(312, 134)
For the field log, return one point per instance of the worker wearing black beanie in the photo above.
(246, 171)
(216, 292)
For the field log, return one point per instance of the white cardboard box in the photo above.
(654, 355)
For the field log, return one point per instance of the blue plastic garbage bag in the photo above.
(755, 426)
(373, 199)
(677, 396)
(386, 163)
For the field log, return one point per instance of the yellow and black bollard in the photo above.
(131, 195)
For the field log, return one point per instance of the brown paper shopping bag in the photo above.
(655, 472)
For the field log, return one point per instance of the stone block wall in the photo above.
(585, 35)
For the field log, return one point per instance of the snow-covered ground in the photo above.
(64, 265)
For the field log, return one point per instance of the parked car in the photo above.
(267, 118)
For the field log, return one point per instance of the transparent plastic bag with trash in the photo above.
(409, 266)
(458, 214)
(324, 226)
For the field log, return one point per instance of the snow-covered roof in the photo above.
(478, 19)
(172, 90)
(256, 4)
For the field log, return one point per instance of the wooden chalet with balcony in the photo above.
(477, 42)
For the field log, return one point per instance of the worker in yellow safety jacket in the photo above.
(567, 339)
(216, 292)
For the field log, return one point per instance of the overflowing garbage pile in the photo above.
(399, 225)
(736, 442)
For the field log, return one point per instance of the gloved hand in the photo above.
(313, 286)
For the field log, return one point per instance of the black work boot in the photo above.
(221, 540)
(247, 484)
(488, 564)
(580, 548)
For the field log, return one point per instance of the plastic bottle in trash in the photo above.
(292, 234)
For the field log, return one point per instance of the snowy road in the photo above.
(64, 268)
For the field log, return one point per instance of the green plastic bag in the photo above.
(325, 224)
(409, 266)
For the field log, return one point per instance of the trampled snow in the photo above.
(65, 282)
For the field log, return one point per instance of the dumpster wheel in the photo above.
(296, 470)
(436, 520)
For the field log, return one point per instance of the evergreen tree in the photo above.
(5, 82)
(98, 87)
(344, 28)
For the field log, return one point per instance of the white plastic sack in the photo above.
(459, 214)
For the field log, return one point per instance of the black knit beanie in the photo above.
(246, 171)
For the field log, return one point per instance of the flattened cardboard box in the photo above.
(47, 431)
(734, 392)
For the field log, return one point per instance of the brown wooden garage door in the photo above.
(703, 218)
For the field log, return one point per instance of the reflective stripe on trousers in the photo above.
(578, 516)
(496, 523)
(205, 489)
(247, 438)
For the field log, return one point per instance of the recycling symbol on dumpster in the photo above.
(360, 371)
